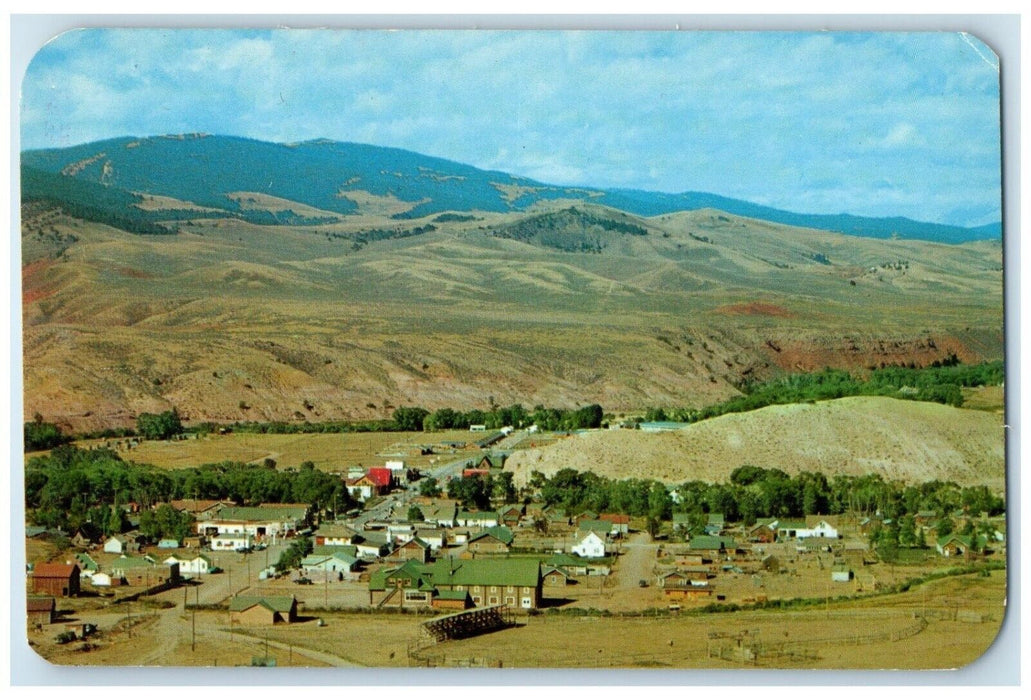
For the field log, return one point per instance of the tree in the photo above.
(907, 531)
(429, 487)
(655, 415)
(409, 418)
(165, 521)
(653, 527)
(503, 489)
(292, 556)
(415, 514)
(159, 426)
(42, 436)
(660, 505)
(117, 522)
(442, 419)
(888, 545)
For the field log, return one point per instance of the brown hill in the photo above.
(905, 440)
(234, 321)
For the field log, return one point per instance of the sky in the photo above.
(873, 124)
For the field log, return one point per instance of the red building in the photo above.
(381, 477)
(59, 580)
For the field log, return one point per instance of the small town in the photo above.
(407, 549)
(639, 349)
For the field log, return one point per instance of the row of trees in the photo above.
(414, 418)
(483, 489)
(67, 487)
(754, 492)
(577, 491)
(942, 382)
(40, 435)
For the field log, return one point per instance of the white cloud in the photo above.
(740, 114)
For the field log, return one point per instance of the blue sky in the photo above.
(878, 124)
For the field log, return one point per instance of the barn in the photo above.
(59, 580)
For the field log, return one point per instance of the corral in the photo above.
(469, 623)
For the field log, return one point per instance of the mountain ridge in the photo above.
(205, 169)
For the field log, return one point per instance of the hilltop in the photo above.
(904, 440)
(319, 182)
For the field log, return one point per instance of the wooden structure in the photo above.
(41, 610)
(253, 611)
(469, 623)
(452, 600)
(58, 580)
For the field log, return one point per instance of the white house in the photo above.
(484, 518)
(336, 562)
(259, 522)
(361, 488)
(370, 550)
(823, 529)
(590, 546)
(398, 471)
(400, 532)
(334, 534)
(812, 527)
(115, 545)
(230, 542)
(100, 579)
(435, 538)
(191, 566)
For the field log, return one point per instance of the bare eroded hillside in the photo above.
(906, 440)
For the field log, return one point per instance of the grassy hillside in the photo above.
(357, 317)
(905, 440)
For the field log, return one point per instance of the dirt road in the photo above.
(636, 563)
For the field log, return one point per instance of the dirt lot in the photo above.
(329, 451)
(858, 634)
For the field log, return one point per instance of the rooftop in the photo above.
(275, 603)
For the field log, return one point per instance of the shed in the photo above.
(452, 600)
(555, 576)
(262, 610)
(41, 610)
(115, 545)
(841, 574)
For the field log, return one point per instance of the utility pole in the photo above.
(193, 623)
